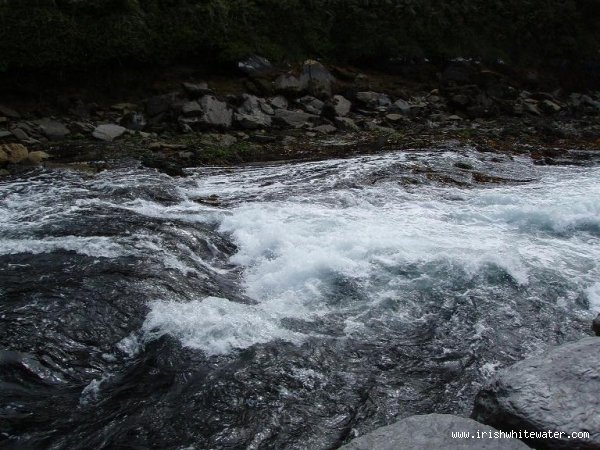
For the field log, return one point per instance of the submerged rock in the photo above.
(433, 432)
(556, 391)
(596, 326)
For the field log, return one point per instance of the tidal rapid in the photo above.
(282, 306)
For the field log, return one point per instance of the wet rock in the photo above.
(163, 164)
(337, 106)
(108, 132)
(52, 129)
(196, 89)
(318, 78)
(596, 326)
(373, 100)
(255, 66)
(432, 432)
(37, 157)
(311, 104)
(294, 119)
(13, 153)
(9, 112)
(556, 391)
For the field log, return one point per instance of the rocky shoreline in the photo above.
(266, 113)
(552, 396)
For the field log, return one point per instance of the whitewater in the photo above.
(291, 305)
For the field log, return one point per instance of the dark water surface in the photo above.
(289, 306)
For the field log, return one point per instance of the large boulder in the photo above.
(555, 391)
(434, 432)
(293, 119)
(254, 113)
(337, 106)
(215, 112)
(13, 153)
(52, 129)
(319, 79)
(108, 132)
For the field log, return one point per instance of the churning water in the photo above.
(283, 306)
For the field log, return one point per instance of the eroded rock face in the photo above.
(433, 432)
(556, 391)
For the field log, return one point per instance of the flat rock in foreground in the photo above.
(433, 432)
(558, 391)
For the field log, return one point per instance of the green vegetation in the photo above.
(63, 33)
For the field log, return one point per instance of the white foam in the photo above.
(593, 296)
(215, 325)
(89, 246)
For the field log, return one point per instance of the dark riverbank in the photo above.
(185, 116)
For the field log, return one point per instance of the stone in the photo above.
(393, 117)
(432, 432)
(253, 113)
(400, 106)
(3, 156)
(346, 124)
(255, 66)
(52, 129)
(531, 108)
(5, 134)
(290, 84)
(311, 104)
(196, 89)
(557, 390)
(4, 173)
(550, 107)
(37, 157)
(9, 112)
(325, 129)
(318, 78)
(191, 109)
(373, 99)
(460, 100)
(278, 102)
(337, 106)
(14, 153)
(294, 119)
(108, 132)
(20, 134)
(3, 120)
(596, 326)
(215, 112)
